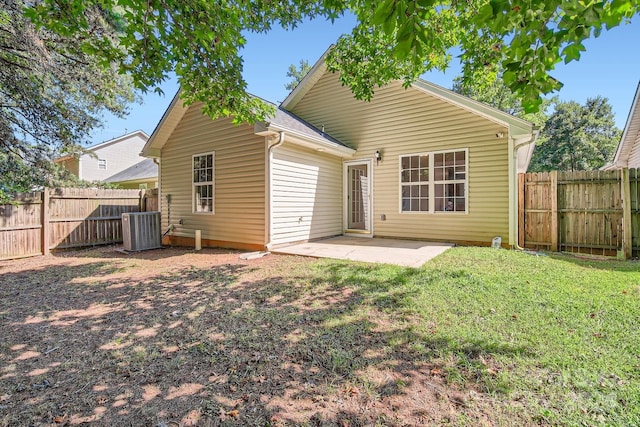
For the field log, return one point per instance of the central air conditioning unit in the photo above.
(141, 231)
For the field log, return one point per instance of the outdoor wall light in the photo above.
(499, 134)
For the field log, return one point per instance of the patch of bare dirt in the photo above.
(175, 337)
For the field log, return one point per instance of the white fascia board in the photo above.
(626, 142)
(153, 153)
(160, 135)
(515, 124)
(314, 143)
(309, 80)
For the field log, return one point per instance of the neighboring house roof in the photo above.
(103, 144)
(142, 134)
(145, 169)
(283, 121)
(630, 135)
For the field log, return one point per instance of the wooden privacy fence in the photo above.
(596, 212)
(65, 218)
(150, 200)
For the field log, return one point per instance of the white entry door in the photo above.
(358, 197)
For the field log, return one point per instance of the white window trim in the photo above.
(431, 183)
(212, 183)
(345, 191)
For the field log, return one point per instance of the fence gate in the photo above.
(595, 212)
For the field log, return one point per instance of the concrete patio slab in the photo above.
(407, 253)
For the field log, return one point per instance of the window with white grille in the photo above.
(203, 178)
(434, 182)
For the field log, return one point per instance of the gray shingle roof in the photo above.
(141, 170)
(288, 120)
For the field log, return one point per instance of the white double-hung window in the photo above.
(203, 180)
(434, 182)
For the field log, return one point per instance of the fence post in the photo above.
(143, 200)
(554, 210)
(46, 229)
(627, 235)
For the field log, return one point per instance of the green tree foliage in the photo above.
(498, 95)
(573, 137)
(297, 74)
(577, 137)
(17, 176)
(52, 94)
(394, 39)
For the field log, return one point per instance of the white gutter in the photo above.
(314, 142)
(516, 143)
(267, 192)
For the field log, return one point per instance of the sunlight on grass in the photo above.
(475, 337)
(557, 334)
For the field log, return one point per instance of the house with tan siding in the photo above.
(628, 151)
(418, 163)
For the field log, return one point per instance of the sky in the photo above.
(610, 67)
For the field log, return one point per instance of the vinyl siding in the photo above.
(634, 155)
(399, 122)
(239, 173)
(306, 195)
(119, 156)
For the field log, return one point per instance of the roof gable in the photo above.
(119, 139)
(630, 134)
(165, 127)
(282, 121)
(516, 125)
(97, 147)
(307, 82)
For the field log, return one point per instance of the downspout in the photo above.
(268, 204)
(534, 136)
(170, 227)
(514, 174)
(156, 160)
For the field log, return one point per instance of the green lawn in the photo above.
(476, 337)
(552, 339)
